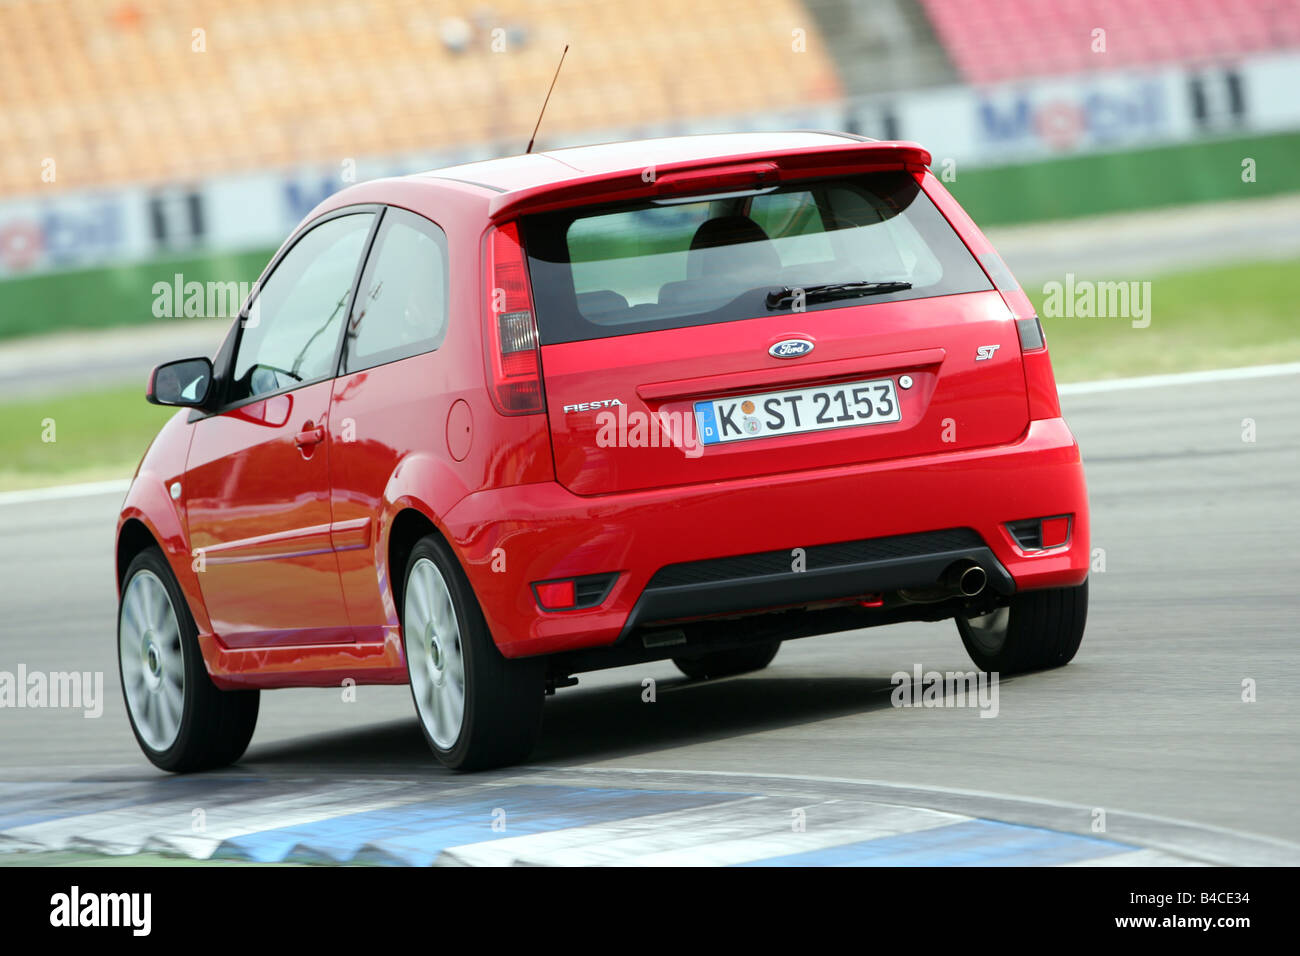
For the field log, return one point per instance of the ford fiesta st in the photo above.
(488, 427)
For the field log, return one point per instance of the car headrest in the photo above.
(600, 302)
(731, 244)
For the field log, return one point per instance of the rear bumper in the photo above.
(827, 572)
(510, 537)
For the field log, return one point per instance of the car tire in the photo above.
(1036, 631)
(477, 708)
(182, 721)
(740, 660)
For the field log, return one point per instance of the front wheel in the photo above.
(740, 660)
(477, 708)
(1036, 631)
(181, 720)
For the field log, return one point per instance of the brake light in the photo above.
(717, 177)
(514, 359)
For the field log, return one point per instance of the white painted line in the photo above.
(1084, 388)
(742, 831)
(119, 485)
(1137, 858)
(908, 791)
(26, 496)
(745, 830)
(1180, 378)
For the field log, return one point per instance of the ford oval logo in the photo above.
(790, 348)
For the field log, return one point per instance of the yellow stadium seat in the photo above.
(117, 90)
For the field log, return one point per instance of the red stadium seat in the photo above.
(993, 40)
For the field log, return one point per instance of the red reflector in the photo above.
(555, 595)
(1056, 531)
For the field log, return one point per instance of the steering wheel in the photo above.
(268, 378)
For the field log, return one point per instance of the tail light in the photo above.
(1040, 383)
(514, 359)
(1031, 334)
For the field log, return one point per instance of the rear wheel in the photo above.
(181, 720)
(477, 709)
(741, 660)
(1037, 630)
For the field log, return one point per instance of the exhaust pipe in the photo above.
(971, 580)
(961, 579)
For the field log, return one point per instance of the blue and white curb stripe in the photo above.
(425, 821)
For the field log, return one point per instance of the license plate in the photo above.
(797, 410)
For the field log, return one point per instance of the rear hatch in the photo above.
(761, 330)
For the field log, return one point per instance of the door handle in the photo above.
(310, 436)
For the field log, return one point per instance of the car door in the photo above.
(391, 398)
(257, 482)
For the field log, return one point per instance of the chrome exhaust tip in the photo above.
(972, 580)
(961, 579)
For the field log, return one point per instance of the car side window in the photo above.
(402, 308)
(292, 331)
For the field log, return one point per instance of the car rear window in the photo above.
(665, 264)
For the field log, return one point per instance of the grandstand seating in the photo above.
(995, 40)
(113, 92)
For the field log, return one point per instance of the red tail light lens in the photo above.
(514, 360)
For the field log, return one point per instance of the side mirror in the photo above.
(185, 382)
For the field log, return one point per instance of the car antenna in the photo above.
(547, 100)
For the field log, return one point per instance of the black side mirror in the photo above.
(185, 382)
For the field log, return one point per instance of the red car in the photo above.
(487, 427)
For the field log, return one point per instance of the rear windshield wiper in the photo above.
(834, 290)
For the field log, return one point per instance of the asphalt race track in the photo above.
(804, 763)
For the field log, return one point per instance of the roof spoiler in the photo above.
(706, 175)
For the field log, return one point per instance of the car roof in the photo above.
(554, 166)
